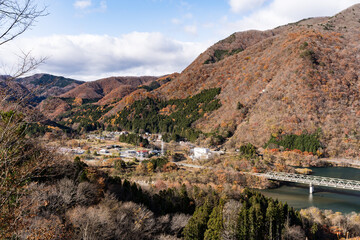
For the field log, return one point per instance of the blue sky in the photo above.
(186, 21)
(92, 39)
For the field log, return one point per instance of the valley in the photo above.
(179, 156)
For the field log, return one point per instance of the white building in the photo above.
(200, 153)
(128, 153)
(104, 152)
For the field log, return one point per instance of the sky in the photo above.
(93, 39)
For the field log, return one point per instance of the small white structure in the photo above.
(128, 153)
(78, 151)
(142, 154)
(200, 153)
(104, 152)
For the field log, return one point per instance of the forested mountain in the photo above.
(296, 78)
(112, 88)
(46, 85)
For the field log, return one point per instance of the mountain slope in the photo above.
(103, 92)
(115, 86)
(293, 79)
(45, 85)
(13, 92)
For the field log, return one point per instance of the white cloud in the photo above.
(238, 6)
(103, 5)
(82, 4)
(176, 21)
(192, 29)
(279, 12)
(188, 16)
(89, 57)
(89, 6)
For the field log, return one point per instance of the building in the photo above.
(128, 153)
(142, 154)
(104, 152)
(200, 153)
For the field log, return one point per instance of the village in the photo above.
(102, 149)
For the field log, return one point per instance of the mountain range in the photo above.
(298, 78)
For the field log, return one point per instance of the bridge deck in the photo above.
(314, 180)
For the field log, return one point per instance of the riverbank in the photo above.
(298, 196)
(343, 162)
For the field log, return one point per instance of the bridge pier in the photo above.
(311, 188)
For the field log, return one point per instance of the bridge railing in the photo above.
(314, 180)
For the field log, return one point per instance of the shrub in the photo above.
(248, 150)
(310, 55)
(221, 54)
(239, 105)
(119, 164)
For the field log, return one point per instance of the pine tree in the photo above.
(197, 224)
(271, 221)
(215, 223)
(243, 223)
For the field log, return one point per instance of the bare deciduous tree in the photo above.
(17, 16)
(178, 222)
(20, 160)
(230, 217)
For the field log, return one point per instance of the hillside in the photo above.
(297, 78)
(112, 88)
(45, 85)
(14, 92)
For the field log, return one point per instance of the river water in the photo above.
(297, 195)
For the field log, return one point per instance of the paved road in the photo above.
(353, 162)
(191, 165)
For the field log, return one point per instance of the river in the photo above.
(297, 195)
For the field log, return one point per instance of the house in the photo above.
(142, 154)
(128, 153)
(104, 152)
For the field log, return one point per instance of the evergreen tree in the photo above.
(243, 223)
(197, 224)
(271, 221)
(215, 224)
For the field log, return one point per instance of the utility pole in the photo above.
(162, 147)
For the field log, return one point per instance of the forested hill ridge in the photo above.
(45, 85)
(296, 78)
(100, 93)
(110, 88)
(37, 87)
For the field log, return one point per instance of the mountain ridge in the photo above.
(296, 78)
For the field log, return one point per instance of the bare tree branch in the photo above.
(26, 64)
(17, 16)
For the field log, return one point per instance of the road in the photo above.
(345, 161)
(191, 165)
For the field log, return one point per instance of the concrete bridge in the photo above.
(312, 180)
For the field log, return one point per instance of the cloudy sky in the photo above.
(91, 39)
